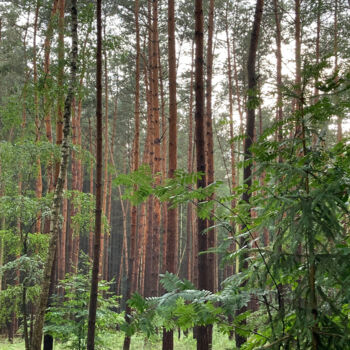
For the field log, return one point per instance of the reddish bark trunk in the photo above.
(149, 229)
(156, 212)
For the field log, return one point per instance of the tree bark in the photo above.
(210, 145)
(250, 128)
(339, 120)
(132, 283)
(98, 210)
(279, 110)
(172, 223)
(202, 331)
(150, 133)
(58, 194)
(190, 252)
(60, 78)
(297, 35)
(47, 104)
(157, 157)
(39, 179)
(91, 233)
(230, 268)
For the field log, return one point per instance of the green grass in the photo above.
(138, 342)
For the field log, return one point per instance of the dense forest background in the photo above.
(220, 195)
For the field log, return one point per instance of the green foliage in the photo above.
(83, 220)
(27, 273)
(301, 279)
(140, 184)
(67, 318)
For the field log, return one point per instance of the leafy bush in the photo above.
(67, 318)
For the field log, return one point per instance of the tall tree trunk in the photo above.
(211, 257)
(189, 238)
(73, 257)
(98, 212)
(132, 283)
(47, 104)
(250, 129)
(297, 35)
(335, 48)
(110, 189)
(61, 259)
(39, 179)
(192, 242)
(172, 224)
(58, 194)
(157, 157)
(279, 110)
(210, 145)
(62, 265)
(238, 93)
(60, 77)
(202, 331)
(105, 166)
(317, 46)
(150, 134)
(163, 140)
(232, 184)
(91, 238)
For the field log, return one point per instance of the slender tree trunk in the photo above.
(210, 144)
(47, 104)
(172, 224)
(91, 237)
(317, 46)
(132, 283)
(238, 93)
(163, 140)
(73, 233)
(297, 56)
(232, 184)
(110, 189)
(98, 212)
(279, 110)
(105, 166)
(211, 257)
(62, 268)
(39, 322)
(39, 179)
(192, 257)
(60, 256)
(142, 230)
(150, 124)
(202, 331)
(250, 127)
(335, 48)
(60, 77)
(157, 157)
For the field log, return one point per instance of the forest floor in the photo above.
(220, 342)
